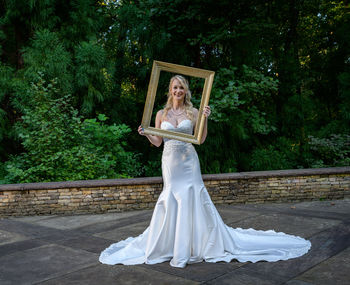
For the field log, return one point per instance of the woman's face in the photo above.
(177, 90)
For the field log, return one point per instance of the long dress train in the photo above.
(186, 227)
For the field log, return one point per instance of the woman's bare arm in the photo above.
(155, 140)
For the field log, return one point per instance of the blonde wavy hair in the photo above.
(187, 101)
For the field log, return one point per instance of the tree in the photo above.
(282, 71)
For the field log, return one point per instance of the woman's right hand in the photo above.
(141, 131)
(155, 140)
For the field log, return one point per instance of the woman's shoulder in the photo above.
(160, 115)
(160, 112)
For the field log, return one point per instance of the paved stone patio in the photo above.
(65, 249)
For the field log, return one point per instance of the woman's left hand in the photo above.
(206, 111)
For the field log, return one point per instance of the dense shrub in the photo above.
(60, 145)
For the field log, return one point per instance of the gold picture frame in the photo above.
(159, 66)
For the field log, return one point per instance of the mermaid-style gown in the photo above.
(186, 227)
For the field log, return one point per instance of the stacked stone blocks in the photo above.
(113, 195)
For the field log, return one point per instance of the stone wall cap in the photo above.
(278, 173)
(159, 180)
(81, 184)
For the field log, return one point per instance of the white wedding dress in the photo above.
(186, 227)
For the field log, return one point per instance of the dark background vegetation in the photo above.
(74, 77)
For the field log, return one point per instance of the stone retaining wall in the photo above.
(111, 195)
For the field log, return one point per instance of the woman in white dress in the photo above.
(186, 227)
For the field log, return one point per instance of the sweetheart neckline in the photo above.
(177, 124)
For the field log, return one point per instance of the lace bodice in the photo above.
(185, 126)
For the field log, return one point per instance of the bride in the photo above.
(186, 227)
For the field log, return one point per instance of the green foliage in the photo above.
(11, 88)
(240, 104)
(92, 75)
(60, 146)
(344, 90)
(283, 154)
(330, 151)
(240, 94)
(5, 85)
(280, 97)
(269, 159)
(48, 55)
(153, 167)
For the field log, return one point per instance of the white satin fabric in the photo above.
(186, 227)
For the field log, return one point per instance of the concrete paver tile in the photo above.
(42, 263)
(298, 282)
(118, 274)
(203, 271)
(88, 243)
(336, 206)
(26, 229)
(10, 248)
(33, 219)
(10, 237)
(324, 245)
(231, 215)
(78, 221)
(121, 233)
(294, 225)
(242, 276)
(118, 223)
(335, 271)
